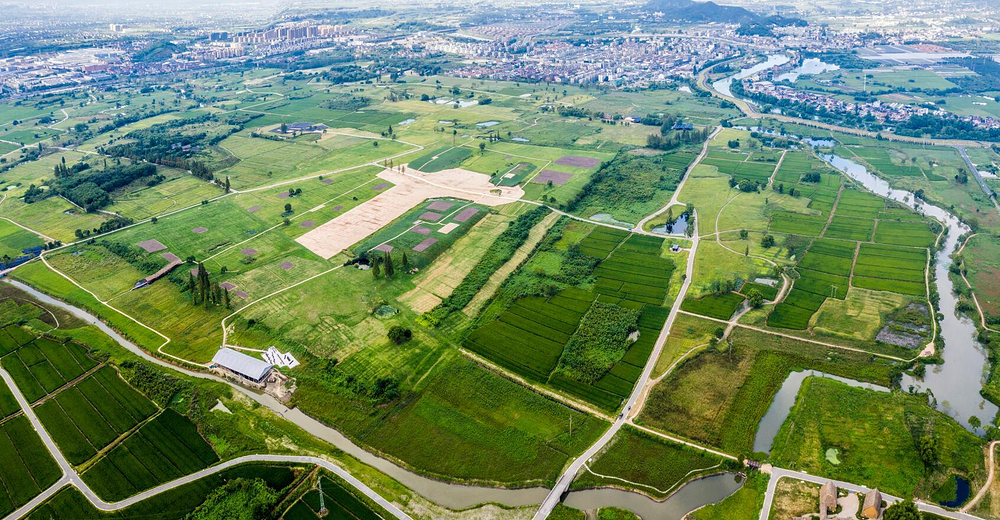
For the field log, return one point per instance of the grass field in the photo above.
(691, 403)
(875, 434)
(657, 466)
(26, 468)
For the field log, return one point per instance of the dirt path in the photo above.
(535, 235)
(680, 186)
(989, 480)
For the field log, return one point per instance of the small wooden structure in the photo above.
(872, 507)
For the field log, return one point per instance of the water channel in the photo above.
(957, 382)
(454, 496)
(783, 401)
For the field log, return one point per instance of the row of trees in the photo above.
(385, 263)
(204, 292)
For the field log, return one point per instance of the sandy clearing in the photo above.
(410, 189)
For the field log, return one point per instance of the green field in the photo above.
(830, 414)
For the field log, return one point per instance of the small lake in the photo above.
(678, 227)
(809, 67)
(962, 492)
(520, 140)
(784, 400)
(695, 494)
(956, 383)
(487, 124)
(722, 85)
(406, 121)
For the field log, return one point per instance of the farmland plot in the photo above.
(42, 366)
(26, 468)
(824, 271)
(538, 337)
(890, 268)
(161, 450)
(89, 416)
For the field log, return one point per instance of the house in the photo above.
(827, 498)
(245, 369)
(872, 507)
(684, 126)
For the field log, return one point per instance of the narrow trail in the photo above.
(990, 463)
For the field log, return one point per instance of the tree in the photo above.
(227, 184)
(927, 447)
(905, 510)
(974, 421)
(755, 298)
(399, 335)
(153, 220)
(767, 242)
(376, 270)
(405, 261)
(482, 148)
(288, 207)
(284, 128)
(389, 268)
(744, 234)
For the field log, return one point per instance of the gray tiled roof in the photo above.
(240, 363)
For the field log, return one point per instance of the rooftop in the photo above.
(242, 364)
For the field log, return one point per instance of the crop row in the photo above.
(528, 338)
(916, 234)
(850, 228)
(12, 337)
(43, 366)
(161, 450)
(26, 468)
(719, 306)
(797, 223)
(339, 502)
(87, 417)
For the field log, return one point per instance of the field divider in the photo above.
(806, 340)
(647, 486)
(563, 399)
(115, 443)
(69, 384)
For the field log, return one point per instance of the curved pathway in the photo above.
(990, 461)
(72, 478)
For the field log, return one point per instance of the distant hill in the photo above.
(692, 11)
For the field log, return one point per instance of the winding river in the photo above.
(451, 495)
(957, 382)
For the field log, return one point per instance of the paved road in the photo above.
(562, 485)
(71, 477)
(778, 474)
(979, 177)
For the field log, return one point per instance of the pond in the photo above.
(722, 86)
(520, 140)
(956, 383)
(487, 124)
(677, 227)
(957, 490)
(694, 494)
(809, 66)
(784, 400)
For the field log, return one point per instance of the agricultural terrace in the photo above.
(581, 340)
